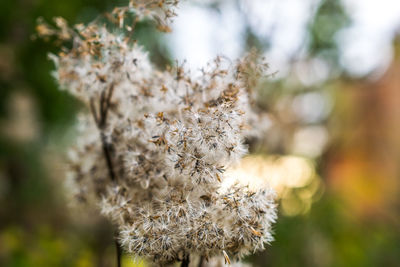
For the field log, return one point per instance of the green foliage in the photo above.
(330, 18)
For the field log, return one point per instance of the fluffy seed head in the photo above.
(154, 145)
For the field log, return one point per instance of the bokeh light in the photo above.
(293, 178)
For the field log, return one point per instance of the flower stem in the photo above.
(185, 261)
(201, 262)
(119, 253)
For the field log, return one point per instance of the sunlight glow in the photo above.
(293, 178)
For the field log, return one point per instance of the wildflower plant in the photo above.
(154, 145)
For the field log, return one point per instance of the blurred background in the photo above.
(331, 148)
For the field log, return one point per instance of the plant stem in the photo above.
(107, 155)
(185, 261)
(119, 253)
(100, 118)
(201, 262)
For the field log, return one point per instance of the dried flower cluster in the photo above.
(155, 144)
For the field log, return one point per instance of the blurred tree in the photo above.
(330, 18)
